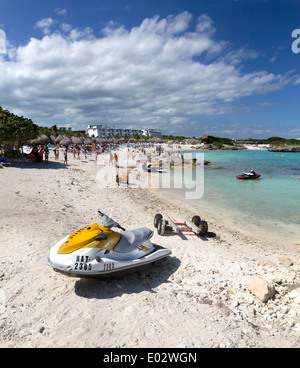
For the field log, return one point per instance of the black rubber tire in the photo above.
(196, 220)
(161, 227)
(157, 217)
(203, 228)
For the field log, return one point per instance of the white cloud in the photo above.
(151, 75)
(76, 34)
(2, 42)
(60, 11)
(205, 24)
(66, 27)
(45, 24)
(297, 81)
(235, 57)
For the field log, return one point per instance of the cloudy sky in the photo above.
(227, 68)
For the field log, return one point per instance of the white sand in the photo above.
(197, 298)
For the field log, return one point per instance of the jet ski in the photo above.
(250, 175)
(98, 251)
(150, 168)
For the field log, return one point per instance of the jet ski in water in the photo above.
(98, 251)
(152, 168)
(250, 175)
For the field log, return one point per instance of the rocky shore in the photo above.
(219, 147)
(284, 149)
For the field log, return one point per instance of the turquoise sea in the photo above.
(268, 207)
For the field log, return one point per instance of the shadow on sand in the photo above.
(28, 164)
(136, 282)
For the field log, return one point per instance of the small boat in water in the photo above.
(250, 175)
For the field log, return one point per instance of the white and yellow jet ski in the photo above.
(98, 251)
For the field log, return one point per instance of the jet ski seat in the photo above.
(132, 239)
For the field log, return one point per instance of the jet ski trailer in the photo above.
(166, 224)
(98, 251)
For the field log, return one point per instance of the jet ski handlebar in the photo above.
(114, 223)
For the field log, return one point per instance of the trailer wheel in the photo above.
(196, 220)
(203, 228)
(157, 217)
(161, 226)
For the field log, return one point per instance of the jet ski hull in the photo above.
(89, 262)
(245, 177)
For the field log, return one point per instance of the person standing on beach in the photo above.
(66, 156)
(46, 154)
(40, 155)
(115, 159)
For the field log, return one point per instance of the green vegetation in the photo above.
(218, 141)
(275, 141)
(15, 131)
(180, 138)
(54, 130)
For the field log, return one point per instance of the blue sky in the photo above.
(192, 67)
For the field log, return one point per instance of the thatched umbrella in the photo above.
(45, 139)
(39, 140)
(77, 140)
(58, 139)
(66, 141)
(52, 137)
(88, 141)
(100, 140)
(204, 138)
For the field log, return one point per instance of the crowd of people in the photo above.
(40, 153)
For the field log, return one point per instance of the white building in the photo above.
(151, 133)
(100, 131)
(106, 131)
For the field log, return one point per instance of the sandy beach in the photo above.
(198, 298)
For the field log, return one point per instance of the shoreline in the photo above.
(229, 222)
(204, 280)
(264, 232)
